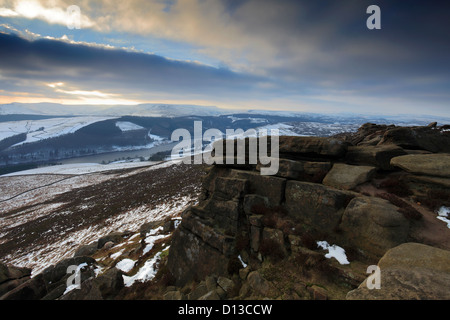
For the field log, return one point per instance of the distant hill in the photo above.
(142, 110)
(30, 110)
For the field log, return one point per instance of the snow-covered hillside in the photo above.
(14, 108)
(141, 110)
(43, 129)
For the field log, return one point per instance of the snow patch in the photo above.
(128, 126)
(133, 237)
(98, 270)
(125, 265)
(151, 238)
(146, 272)
(333, 252)
(242, 262)
(116, 255)
(154, 137)
(154, 231)
(176, 222)
(71, 287)
(444, 211)
(443, 215)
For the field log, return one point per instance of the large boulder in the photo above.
(11, 277)
(12, 272)
(147, 227)
(114, 237)
(312, 171)
(230, 188)
(257, 287)
(315, 147)
(253, 200)
(33, 289)
(210, 234)
(427, 138)
(276, 237)
(266, 186)
(316, 205)
(425, 164)
(226, 284)
(190, 257)
(347, 177)
(104, 287)
(200, 290)
(224, 214)
(378, 156)
(424, 186)
(410, 271)
(55, 273)
(51, 283)
(369, 134)
(224, 205)
(86, 250)
(373, 225)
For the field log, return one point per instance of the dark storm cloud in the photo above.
(325, 46)
(413, 41)
(52, 60)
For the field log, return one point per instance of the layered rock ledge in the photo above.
(369, 193)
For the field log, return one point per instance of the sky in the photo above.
(302, 55)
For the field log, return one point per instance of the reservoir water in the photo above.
(120, 155)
